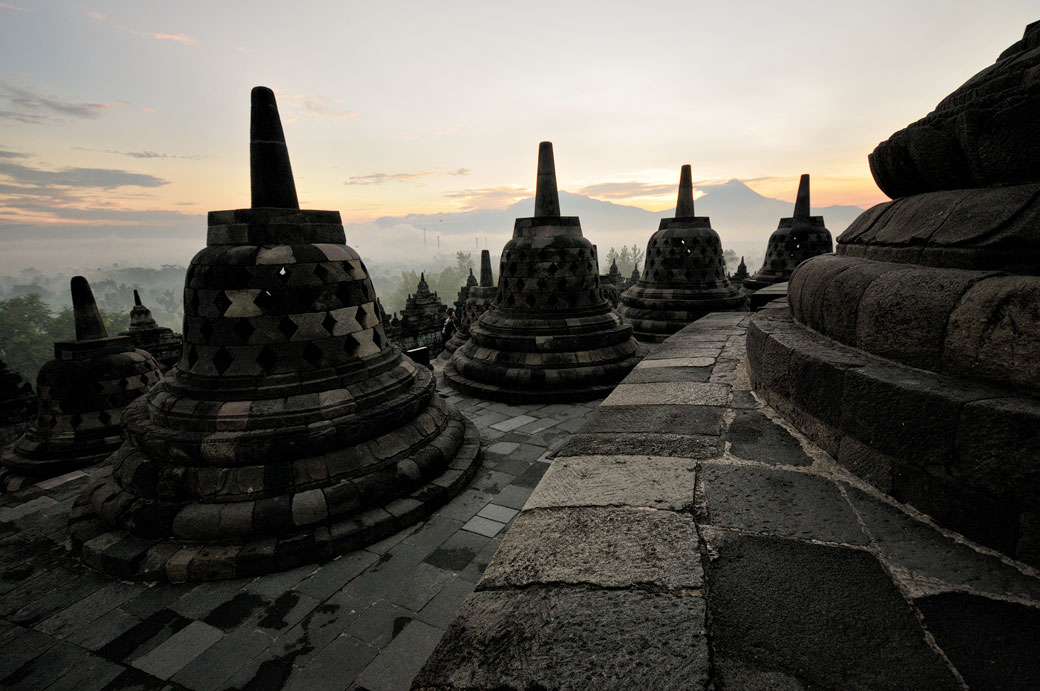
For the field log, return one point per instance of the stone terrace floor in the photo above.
(367, 620)
(688, 538)
(684, 537)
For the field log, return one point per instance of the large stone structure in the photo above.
(462, 331)
(795, 239)
(549, 335)
(17, 404)
(290, 430)
(684, 277)
(81, 395)
(146, 334)
(611, 284)
(913, 354)
(421, 320)
(478, 299)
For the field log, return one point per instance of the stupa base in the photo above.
(507, 393)
(116, 552)
(961, 451)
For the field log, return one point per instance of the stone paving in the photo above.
(689, 538)
(366, 620)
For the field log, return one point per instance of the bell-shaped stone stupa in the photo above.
(290, 430)
(549, 335)
(684, 277)
(146, 334)
(796, 239)
(81, 395)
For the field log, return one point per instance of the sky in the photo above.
(122, 122)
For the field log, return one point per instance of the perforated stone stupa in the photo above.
(913, 354)
(684, 277)
(17, 404)
(796, 239)
(290, 430)
(549, 335)
(479, 296)
(81, 395)
(146, 334)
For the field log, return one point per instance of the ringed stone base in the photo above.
(492, 392)
(964, 453)
(121, 554)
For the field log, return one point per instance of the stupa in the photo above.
(478, 299)
(912, 355)
(462, 332)
(17, 404)
(740, 274)
(795, 239)
(81, 396)
(146, 334)
(684, 276)
(422, 318)
(549, 335)
(291, 430)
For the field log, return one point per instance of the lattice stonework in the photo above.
(684, 277)
(549, 333)
(291, 430)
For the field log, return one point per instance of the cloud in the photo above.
(103, 178)
(25, 105)
(11, 154)
(323, 107)
(381, 178)
(626, 190)
(160, 36)
(77, 196)
(493, 197)
(143, 154)
(8, 6)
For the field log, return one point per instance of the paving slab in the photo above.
(571, 638)
(994, 644)
(619, 547)
(826, 616)
(653, 482)
(779, 502)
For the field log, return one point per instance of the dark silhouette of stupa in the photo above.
(81, 395)
(291, 430)
(549, 335)
(684, 276)
(146, 334)
(796, 239)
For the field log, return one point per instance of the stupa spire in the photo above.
(546, 196)
(270, 173)
(801, 202)
(486, 278)
(137, 298)
(684, 204)
(89, 325)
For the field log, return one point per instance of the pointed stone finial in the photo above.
(801, 203)
(89, 326)
(546, 196)
(270, 172)
(486, 279)
(684, 204)
(471, 280)
(137, 298)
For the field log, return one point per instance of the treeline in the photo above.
(29, 327)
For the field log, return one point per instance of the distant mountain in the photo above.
(743, 218)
